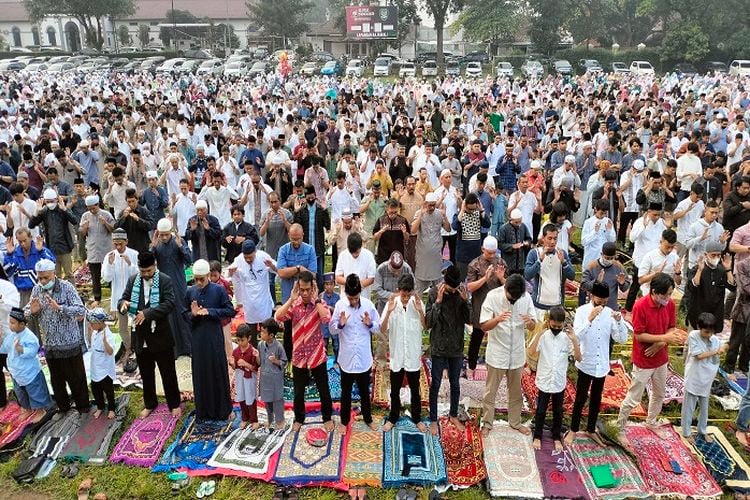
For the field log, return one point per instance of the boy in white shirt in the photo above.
(551, 374)
(103, 371)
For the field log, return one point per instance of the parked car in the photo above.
(479, 56)
(151, 63)
(407, 69)
(429, 68)
(213, 67)
(590, 66)
(355, 67)
(129, 68)
(716, 67)
(235, 68)
(260, 53)
(382, 66)
(197, 54)
(473, 69)
(504, 68)
(532, 69)
(332, 68)
(321, 57)
(259, 68)
(641, 68)
(562, 67)
(452, 68)
(57, 59)
(620, 67)
(426, 56)
(60, 67)
(190, 66)
(740, 67)
(171, 65)
(685, 69)
(309, 68)
(12, 65)
(36, 67)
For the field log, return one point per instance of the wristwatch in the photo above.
(297, 269)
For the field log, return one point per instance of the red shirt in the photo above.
(307, 338)
(228, 287)
(650, 317)
(249, 356)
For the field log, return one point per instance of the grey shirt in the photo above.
(271, 374)
(276, 235)
(98, 238)
(429, 247)
(386, 282)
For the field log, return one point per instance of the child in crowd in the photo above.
(23, 364)
(103, 370)
(704, 349)
(330, 297)
(499, 209)
(245, 363)
(215, 276)
(551, 373)
(272, 361)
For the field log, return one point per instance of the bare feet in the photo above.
(177, 412)
(342, 429)
(97, 413)
(742, 438)
(110, 415)
(522, 429)
(537, 444)
(388, 426)
(38, 415)
(297, 426)
(624, 441)
(732, 377)
(596, 438)
(373, 426)
(708, 438)
(279, 427)
(422, 427)
(243, 424)
(327, 424)
(469, 374)
(455, 421)
(256, 426)
(569, 437)
(146, 412)
(558, 445)
(434, 428)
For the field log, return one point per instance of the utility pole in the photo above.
(174, 30)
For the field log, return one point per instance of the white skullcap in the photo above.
(587, 144)
(570, 159)
(431, 198)
(200, 147)
(201, 268)
(92, 199)
(444, 140)
(44, 265)
(638, 165)
(50, 194)
(490, 243)
(152, 174)
(516, 214)
(201, 204)
(184, 137)
(174, 156)
(536, 164)
(54, 143)
(84, 143)
(445, 172)
(577, 134)
(164, 225)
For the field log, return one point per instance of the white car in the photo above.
(355, 67)
(740, 67)
(532, 69)
(213, 67)
(382, 66)
(429, 68)
(641, 68)
(235, 67)
(504, 68)
(473, 69)
(407, 69)
(171, 65)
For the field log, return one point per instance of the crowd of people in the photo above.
(381, 211)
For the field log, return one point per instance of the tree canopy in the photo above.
(280, 18)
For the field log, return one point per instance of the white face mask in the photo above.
(51, 206)
(713, 262)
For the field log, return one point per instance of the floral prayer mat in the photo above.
(381, 386)
(91, 443)
(142, 443)
(531, 392)
(559, 475)
(675, 388)
(364, 461)
(464, 453)
(511, 465)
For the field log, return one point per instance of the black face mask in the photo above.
(512, 301)
(555, 331)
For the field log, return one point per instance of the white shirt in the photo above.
(102, 364)
(119, 272)
(219, 202)
(652, 261)
(450, 206)
(630, 193)
(115, 198)
(695, 244)
(506, 343)
(355, 338)
(593, 338)
(251, 286)
(687, 220)
(431, 163)
(339, 200)
(526, 203)
(700, 374)
(363, 266)
(19, 219)
(688, 164)
(552, 368)
(593, 239)
(646, 237)
(183, 209)
(405, 337)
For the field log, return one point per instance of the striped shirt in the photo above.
(307, 337)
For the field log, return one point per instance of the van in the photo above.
(641, 68)
(382, 66)
(429, 68)
(740, 67)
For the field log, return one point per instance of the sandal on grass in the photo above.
(100, 496)
(278, 493)
(292, 493)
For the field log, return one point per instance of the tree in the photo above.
(282, 19)
(178, 16)
(592, 20)
(686, 41)
(488, 20)
(407, 17)
(89, 13)
(144, 34)
(547, 22)
(439, 10)
(123, 35)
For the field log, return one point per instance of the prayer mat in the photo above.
(722, 461)
(364, 461)
(12, 424)
(559, 475)
(530, 390)
(587, 454)
(381, 386)
(143, 441)
(654, 449)
(464, 453)
(311, 390)
(301, 464)
(184, 370)
(411, 456)
(239, 319)
(739, 385)
(51, 439)
(196, 443)
(615, 389)
(472, 394)
(91, 443)
(511, 465)
(481, 372)
(675, 388)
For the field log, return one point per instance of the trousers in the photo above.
(585, 383)
(397, 379)
(640, 377)
(363, 385)
(69, 372)
(147, 361)
(515, 398)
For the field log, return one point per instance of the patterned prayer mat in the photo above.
(615, 389)
(381, 386)
(654, 449)
(675, 388)
(51, 439)
(142, 443)
(722, 461)
(196, 443)
(12, 424)
(412, 457)
(472, 394)
(531, 392)
(301, 464)
(511, 464)
(364, 461)
(559, 475)
(91, 443)
(464, 453)
(739, 385)
(587, 454)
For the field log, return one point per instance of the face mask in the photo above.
(555, 331)
(662, 302)
(605, 262)
(713, 262)
(51, 206)
(49, 285)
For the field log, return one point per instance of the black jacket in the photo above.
(159, 338)
(446, 323)
(56, 231)
(322, 222)
(244, 229)
(137, 230)
(213, 235)
(507, 236)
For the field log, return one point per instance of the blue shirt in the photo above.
(251, 154)
(25, 366)
(330, 301)
(290, 257)
(88, 162)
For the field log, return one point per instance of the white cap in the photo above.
(490, 243)
(152, 174)
(445, 172)
(570, 159)
(516, 214)
(43, 265)
(431, 197)
(84, 143)
(91, 200)
(164, 225)
(184, 137)
(638, 165)
(587, 144)
(50, 194)
(536, 164)
(200, 147)
(201, 268)
(577, 134)
(201, 204)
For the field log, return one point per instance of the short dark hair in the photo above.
(305, 277)
(131, 193)
(243, 331)
(353, 242)
(117, 171)
(214, 266)
(601, 205)
(669, 236)
(406, 282)
(557, 313)
(661, 283)
(697, 189)
(515, 286)
(707, 321)
(549, 228)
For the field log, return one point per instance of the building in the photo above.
(18, 31)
